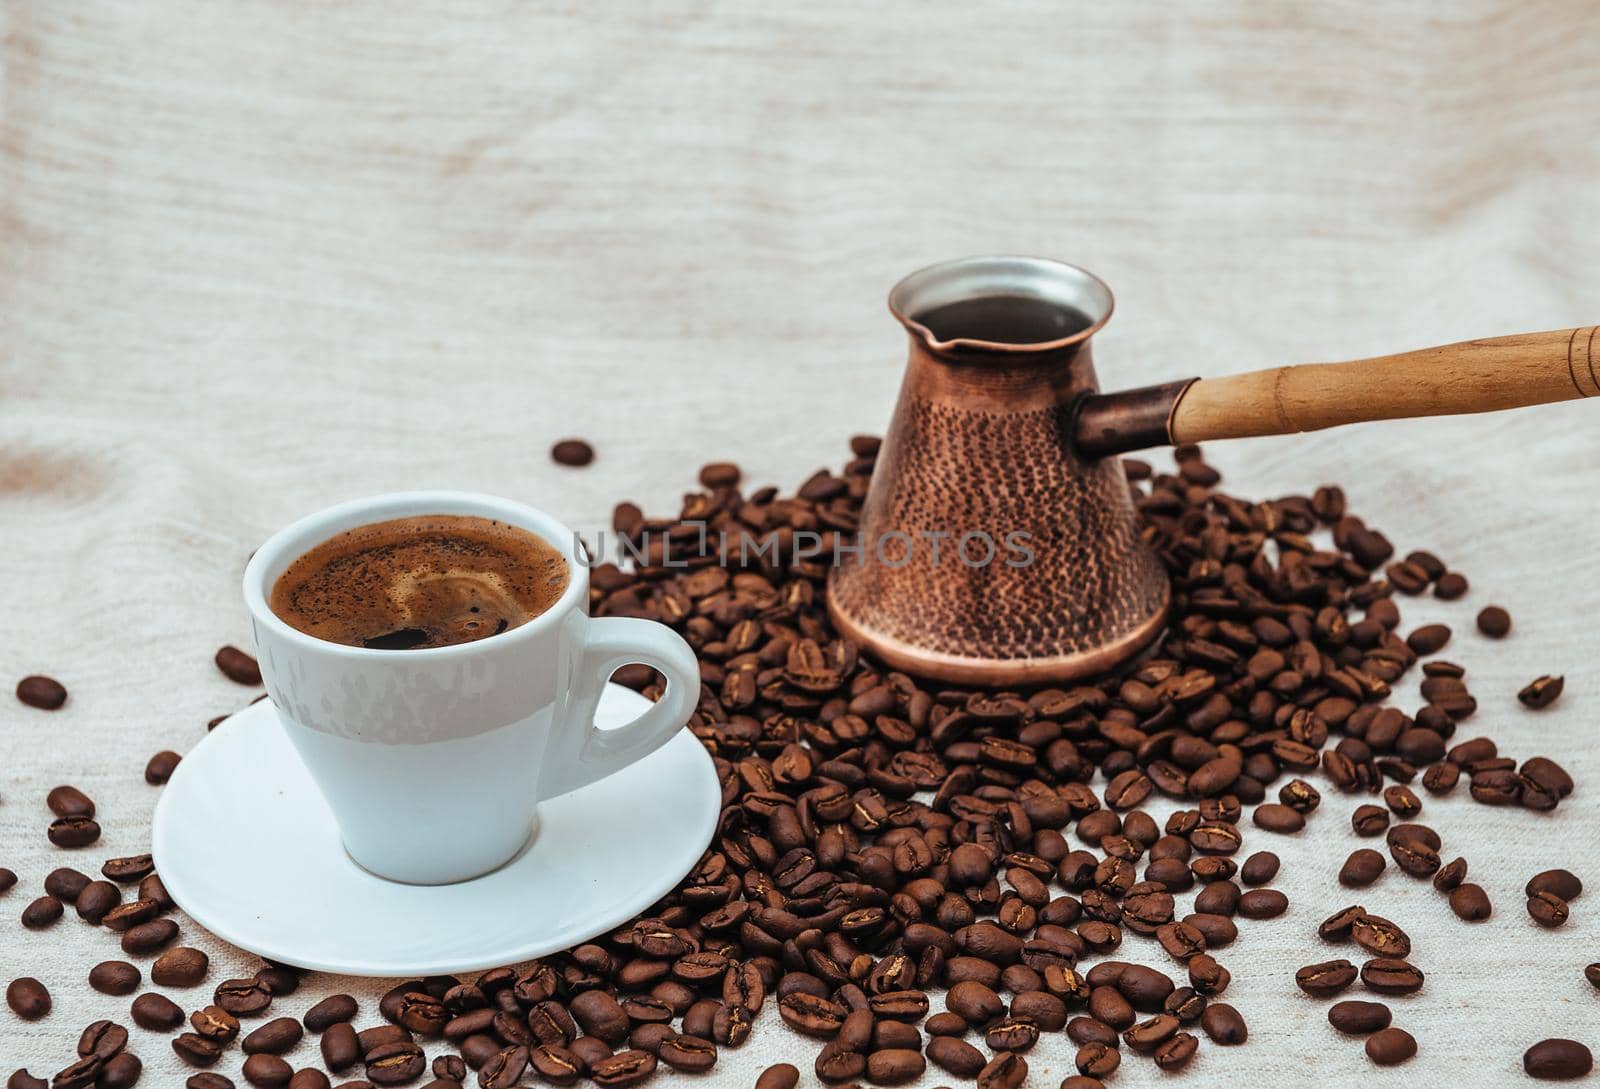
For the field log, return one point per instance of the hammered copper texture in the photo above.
(981, 446)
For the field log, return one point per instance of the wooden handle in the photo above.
(1473, 376)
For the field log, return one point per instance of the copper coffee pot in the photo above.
(998, 538)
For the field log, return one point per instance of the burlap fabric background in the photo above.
(260, 258)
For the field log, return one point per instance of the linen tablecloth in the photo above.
(261, 258)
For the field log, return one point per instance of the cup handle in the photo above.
(580, 753)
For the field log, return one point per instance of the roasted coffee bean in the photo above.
(1541, 692)
(401, 1062)
(238, 666)
(69, 801)
(1097, 1060)
(309, 1078)
(1012, 1034)
(1379, 936)
(1547, 909)
(1224, 1024)
(1356, 1018)
(1557, 1059)
(1391, 975)
(28, 998)
(196, 1050)
(1259, 868)
(208, 1081)
(1494, 622)
(73, 832)
(1325, 979)
(134, 913)
(599, 1013)
(278, 979)
(180, 967)
(330, 1011)
(114, 977)
(779, 1076)
(689, 1053)
(126, 871)
(160, 767)
(1428, 639)
(65, 884)
(504, 1070)
(149, 937)
(45, 693)
(96, 899)
(895, 1066)
(1088, 1030)
(267, 1071)
(156, 1012)
(1147, 1036)
(214, 1023)
(1275, 817)
(573, 453)
(1591, 972)
(551, 1062)
(1006, 1070)
(243, 997)
(1450, 875)
(276, 1037)
(121, 1071)
(79, 1074)
(43, 912)
(1263, 904)
(340, 1047)
(1391, 1046)
(955, 1056)
(1414, 857)
(1369, 820)
(1177, 1052)
(1362, 868)
(1470, 902)
(1562, 883)
(623, 1068)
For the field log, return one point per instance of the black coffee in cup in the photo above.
(427, 581)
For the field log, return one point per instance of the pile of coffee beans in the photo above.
(912, 873)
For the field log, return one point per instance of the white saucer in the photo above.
(247, 847)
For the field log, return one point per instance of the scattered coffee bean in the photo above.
(8, 880)
(1494, 622)
(65, 884)
(329, 1012)
(1470, 902)
(45, 693)
(114, 977)
(1357, 1018)
(180, 967)
(341, 1047)
(1428, 639)
(73, 832)
(1547, 909)
(1541, 692)
(1391, 975)
(1362, 868)
(316, 1079)
(28, 998)
(1450, 586)
(156, 1012)
(1369, 820)
(955, 1056)
(148, 937)
(69, 801)
(207, 1080)
(103, 1039)
(243, 997)
(1557, 1059)
(1224, 1024)
(121, 1071)
(572, 453)
(1562, 883)
(238, 666)
(1391, 1046)
(1259, 868)
(196, 1050)
(1325, 979)
(96, 900)
(161, 766)
(779, 1076)
(1591, 972)
(268, 1072)
(43, 912)
(276, 1037)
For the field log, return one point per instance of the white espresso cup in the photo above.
(434, 761)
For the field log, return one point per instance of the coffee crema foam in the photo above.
(430, 580)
